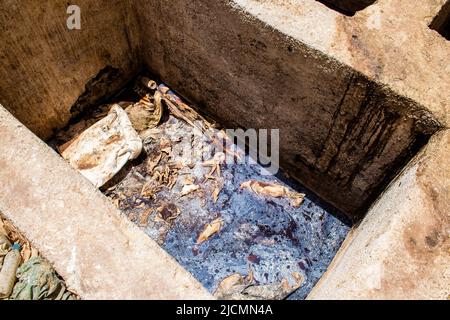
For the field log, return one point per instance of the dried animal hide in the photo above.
(103, 149)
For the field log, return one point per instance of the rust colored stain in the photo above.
(88, 162)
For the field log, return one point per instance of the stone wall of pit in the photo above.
(341, 134)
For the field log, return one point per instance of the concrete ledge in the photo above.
(99, 253)
(401, 248)
(390, 42)
(328, 81)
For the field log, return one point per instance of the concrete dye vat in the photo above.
(400, 84)
(263, 236)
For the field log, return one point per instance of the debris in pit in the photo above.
(152, 162)
(189, 188)
(99, 152)
(144, 217)
(9, 234)
(168, 212)
(209, 230)
(5, 245)
(150, 188)
(182, 111)
(274, 190)
(150, 84)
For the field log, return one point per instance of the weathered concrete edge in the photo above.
(99, 253)
(413, 70)
(401, 248)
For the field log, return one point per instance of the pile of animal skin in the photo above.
(243, 233)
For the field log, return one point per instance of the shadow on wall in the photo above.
(347, 7)
(441, 23)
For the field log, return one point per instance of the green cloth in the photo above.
(37, 280)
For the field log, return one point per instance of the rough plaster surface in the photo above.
(44, 66)
(99, 253)
(401, 250)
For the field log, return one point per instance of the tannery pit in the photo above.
(236, 149)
